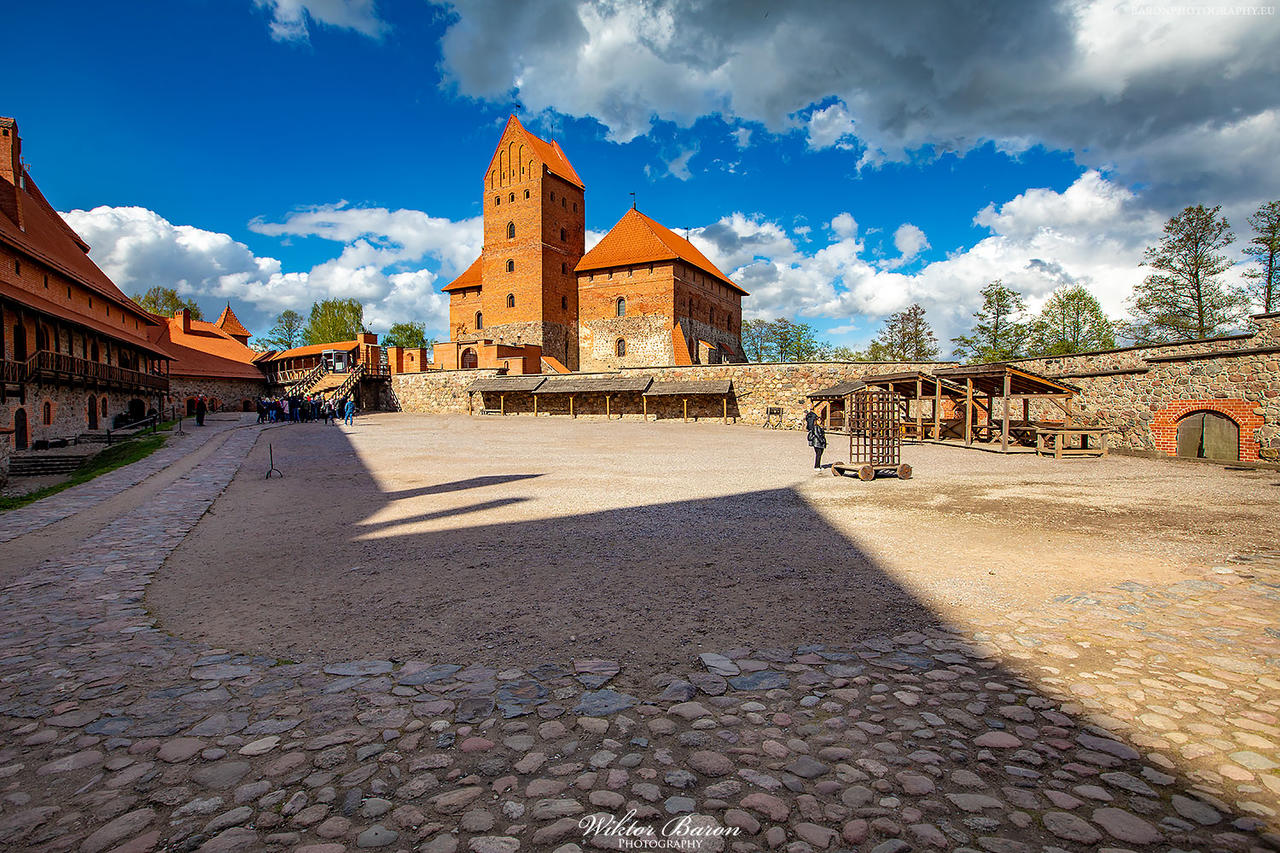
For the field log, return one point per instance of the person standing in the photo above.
(817, 437)
(350, 413)
(202, 408)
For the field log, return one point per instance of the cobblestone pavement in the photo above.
(1128, 719)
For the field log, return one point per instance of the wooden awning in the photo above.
(594, 385)
(988, 379)
(904, 384)
(504, 384)
(690, 388)
(835, 392)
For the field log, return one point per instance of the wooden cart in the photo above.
(875, 435)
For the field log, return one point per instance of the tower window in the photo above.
(497, 200)
(511, 230)
(526, 193)
(511, 300)
(512, 198)
(564, 268)
(620, 308)
(575, 207)
(562, 235)
(553, 196)
(620, 347)
(564, 303)
(511, 266)
(562, 202)
(479, 321)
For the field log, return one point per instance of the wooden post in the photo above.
(937, 409)
(606, 407)
(968, 411)
(919, 408)
(535, 404)
(571, 406)
(644, 405)
(1004, 430)
(469, 401)
(1068, 408)
(725, 406)
(686, 409)
(502, 404)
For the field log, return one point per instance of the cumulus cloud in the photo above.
(1156, 97)
(910, 241)
(291, 20)
(391, 260)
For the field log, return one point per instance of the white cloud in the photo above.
(678, 166)
(381, 262)
(1157, 98)
(910, 241)
(291, 20)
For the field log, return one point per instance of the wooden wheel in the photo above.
(866, 473)
(904, 471)
(837, 469)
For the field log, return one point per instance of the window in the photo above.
(562, 202)
(497, 200)
(17, 266)
(104, 407)
(553, 196)
(575, 207)
(511, 300)
(479, 321)
(526, 193)
(620, 307)
(564, 303)
(512, 198)
(511, 230)
(46, 281)
(620, 347)
(511, 266)
(564, 268)
(563, 236)
(48, 413)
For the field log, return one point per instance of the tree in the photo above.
(334, 320)
(286, 333)
(757, 339)
(997, 332)
(905, 336)
(166, 302)
(1071, 321)
(411, 334)
(1184, 299)
(1264, 247)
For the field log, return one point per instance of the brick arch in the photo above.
(1164, 427)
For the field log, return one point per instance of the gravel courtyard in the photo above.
(529, 540)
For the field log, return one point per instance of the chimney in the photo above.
(184, 317)
(11, 170)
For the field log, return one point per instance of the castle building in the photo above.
(209, 359)
(75, 352)
(535, 301)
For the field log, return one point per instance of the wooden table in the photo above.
(1055, 441)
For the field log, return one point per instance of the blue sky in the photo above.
(839, 160)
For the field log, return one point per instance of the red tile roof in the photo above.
(311, 349)
(548, 152)
(230, 323)
(637, 239)
(40, 233)
(470, 278)
(205, 350)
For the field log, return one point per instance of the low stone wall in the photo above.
(4, 457)
(230, 394)
(433, 391)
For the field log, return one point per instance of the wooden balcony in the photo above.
(59, 368)
(12, 372)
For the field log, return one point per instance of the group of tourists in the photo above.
(299, 409)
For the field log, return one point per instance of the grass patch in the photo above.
(116, 456)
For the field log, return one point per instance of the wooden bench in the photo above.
(1055, 441)
(491, 412)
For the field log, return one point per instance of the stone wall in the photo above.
(648, 338)
(68, 410)
(230, 394)
(435, 392)
(4, 457)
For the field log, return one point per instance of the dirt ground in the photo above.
(521, 541)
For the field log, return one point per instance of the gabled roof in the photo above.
(637, 239)
(311, 349)
(206, 349)
(549, 153)
(230, 323)
(470, 278)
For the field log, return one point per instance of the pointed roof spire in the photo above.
(230, 323)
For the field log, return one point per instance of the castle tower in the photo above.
(534, 236)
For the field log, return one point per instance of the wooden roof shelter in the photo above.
(505, 384)
(573, 386)
(1003, 381)
(838, 391)
(692, 388)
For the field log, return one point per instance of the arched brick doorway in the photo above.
(93, 413)
(21, 436)
(1208, 435)
(469, 359)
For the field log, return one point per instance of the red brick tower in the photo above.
(534, 236)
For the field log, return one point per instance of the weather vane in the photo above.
(633, 201)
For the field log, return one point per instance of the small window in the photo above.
(620, 307)
(526, 193)
(479, 321)
(17, 266)
(512, 198)
(48, 413)
(564, 303)
(46, 281)
(497, 200)
(553, 196)
(104, 407)
(575, 207)
(630, 272)
(563, 236)
(511, 266)
(511, 230)
(620, 347)
(562, 202)
(564, 268)
(511, 300)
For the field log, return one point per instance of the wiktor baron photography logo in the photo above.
(690, 832)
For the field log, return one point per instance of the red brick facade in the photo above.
(1164, 427)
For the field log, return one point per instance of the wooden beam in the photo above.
(470, 411)
(686, 409)
(937, 408)
(606, 407)
(1068, 408)
(919, 409)
(644, 406)
(968, 411)
(1004, 429)
(571, 406)
(725, 407)
(502, 404)
(535, 404)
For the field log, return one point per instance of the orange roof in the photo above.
(230, 323)
(312, 349)
(30, 224)
(205, 350)
(548, 152)
(470, 278)
(637, 239)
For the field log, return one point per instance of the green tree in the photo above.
(1184, 299)
(905, 336)
(757, 339)
(334, 320)
(1071, 321)
(1263, 281)
(998, 333)
(166, 302)
(286, 333)
(411, 334)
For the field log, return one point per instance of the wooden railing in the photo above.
(12, 372)
(56, 366)
(344, 389)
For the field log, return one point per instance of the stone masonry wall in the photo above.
(433, 392)
(230, 394)
(68, 410)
